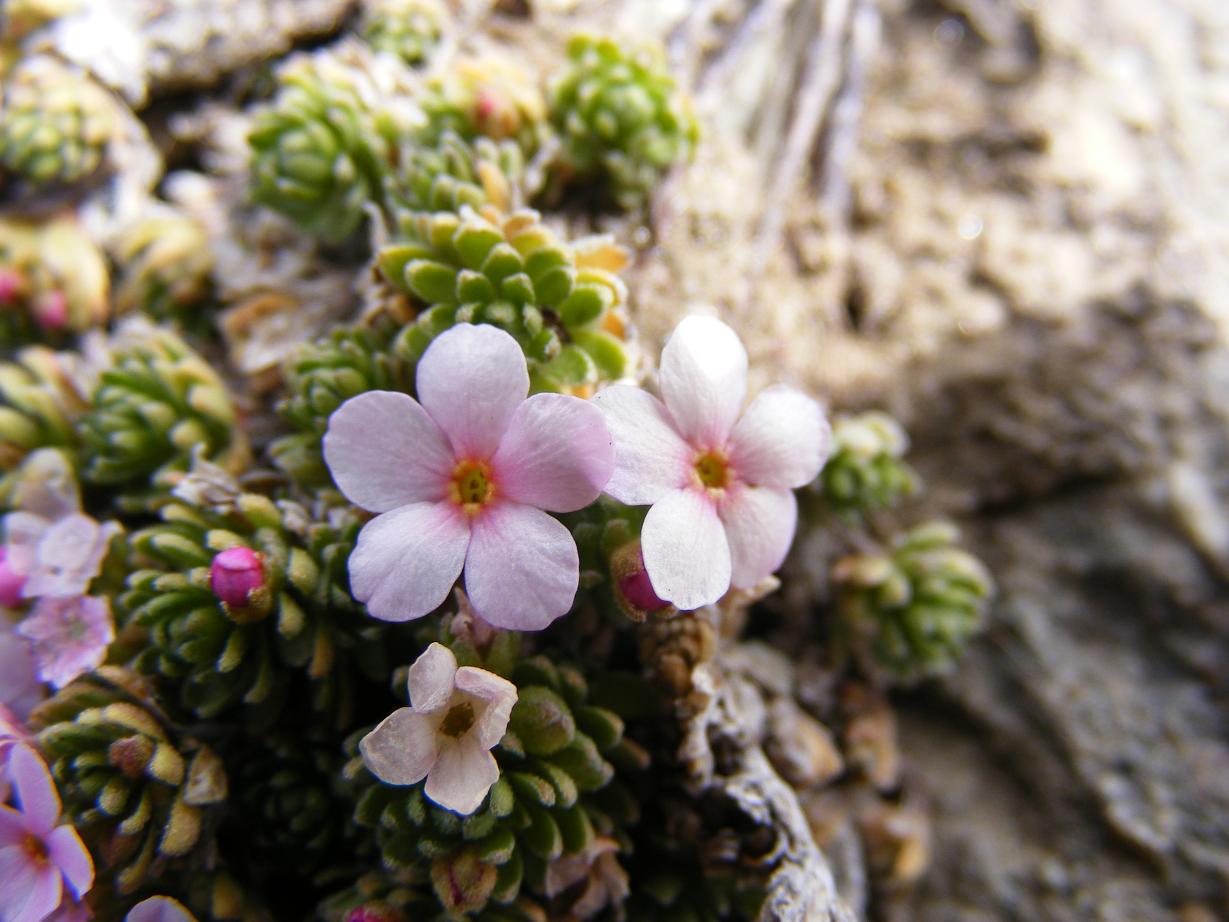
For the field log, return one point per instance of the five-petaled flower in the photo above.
(68, 637)
(720, 484)
(456, 715)
(38, 858)
(51, 546)
(463, 478)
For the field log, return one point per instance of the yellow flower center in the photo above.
(713, 470)
(472, 487)
(34, 848)
(458, 720)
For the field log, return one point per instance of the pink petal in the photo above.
(384, 451)
(20, 688)
(69, 855)
(12, 827)
(759, 524)
(29, 891)
(471, 380)
(461, 776)
(557, 454)
(407, 560)
(159, 909)
(36, 793)
(782, 440)
(69, 556)
(402, 749)
(431, 679)
(703, 379)
(650, 457)
(685, 550)
(498, 696)
(522, 569)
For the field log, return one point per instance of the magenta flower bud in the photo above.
(11, 582)
(51, 311)
(236, 577)
(12, 284)
(637, 589)
(375, 912)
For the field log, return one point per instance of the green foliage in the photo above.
(620, 117)
(320, 376)
(485, 97)
(166, 265)
(867, 470)
(409, 29)
(303, 623)
(39, 405)
(913, 606)
(454, 172)
(143, 794)
(563, 303)
(156, 406)
(557, 791)
(320, 152)
(56, 122)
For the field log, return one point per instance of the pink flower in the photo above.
(37, 857)
(20, 688)
(720, 484)
(50, 544)
(462, 477)
(605, 881)
(69, 636)
(159, 909)
(13, 733)
(454, 719)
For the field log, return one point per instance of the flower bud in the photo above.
(237, 578)
(375, 912)
(633, 589)
(12, 286)
(51, 311)
(11, 582)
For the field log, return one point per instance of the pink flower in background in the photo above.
(454, 719)
(20, 688)
(463, 478)
(11, 582)
(38, 858)
(68, 636)
(597, 866)
(50, 545)
(720, 484)
(159, 909)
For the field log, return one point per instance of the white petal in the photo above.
(402, 749)
(384, 451)
(523, 569)
(557, 454)
(461, 776)
(781, 441)
(703, 379)
(759, 524)
(497, 695)
(159, 909)
(407, 560)
(431, 679)
(685, 550)
(471, 380)
(650, 456)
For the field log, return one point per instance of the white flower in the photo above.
(463, 478)
(454, 719)
(49, 542)
(720, 484)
